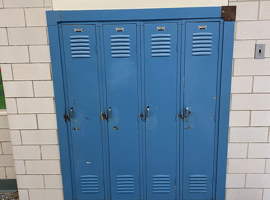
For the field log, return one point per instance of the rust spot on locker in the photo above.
(180, 116)
(115, 128)
(142, 117)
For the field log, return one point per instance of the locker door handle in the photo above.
(110, 112)
(71, 113)
(187, 111)
(148, 111)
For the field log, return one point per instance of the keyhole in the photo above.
(260, 51)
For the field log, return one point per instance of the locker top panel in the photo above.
(226, 12)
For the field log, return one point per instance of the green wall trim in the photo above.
(8, 185)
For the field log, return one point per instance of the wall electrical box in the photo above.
(145, 98)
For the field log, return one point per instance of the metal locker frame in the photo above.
(226, 14)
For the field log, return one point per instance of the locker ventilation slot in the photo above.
(120, 46)
(80, 47)
(202, 44)
(161, 184)
(197, 183)
(125, 184)
(161, 45)
(89, 184)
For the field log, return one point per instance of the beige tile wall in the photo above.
(248, 174)
(7, 170)
(25, 62)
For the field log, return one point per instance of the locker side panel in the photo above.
(200, 96)
(160, 96)
(121, 64)
(84, 98)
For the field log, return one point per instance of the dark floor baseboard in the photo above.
(8, 185)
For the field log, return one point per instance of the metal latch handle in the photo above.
(187, 111)
(71, 113)
(110, 112)
(148, 111)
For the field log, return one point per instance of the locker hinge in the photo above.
(66, 118)
(177, 47)
(96, 50)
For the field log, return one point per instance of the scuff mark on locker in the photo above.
(115, 128)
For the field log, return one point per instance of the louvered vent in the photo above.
(161, 45)
(125, 184)
(80, 47)
(197, 183)
(202, 44)
(89, 184)
(161, 183)
(120, 46)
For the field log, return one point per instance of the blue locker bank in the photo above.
(142, 100)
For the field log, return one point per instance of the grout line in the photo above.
(258, 12)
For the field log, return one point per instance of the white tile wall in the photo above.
(235, 180)
(26, 152)
(23, 3)
(30, 181)
(244, 194)
(36, 16)
(246, 10)
(264, 10)
(31, 113)
(31, 71)
(27, 36)
(7, 170)
(35, 105)
(3, 36)
(261, 84)
(14, 54)
(249, 30)
(39, 53)
(251, 67)
(46, 194)
(246, 166)
(43, 89)
(248, 134)
(53, 181)
(12, 17)
(6, 72)
(43, 167)
(242, 84)
(22, 121)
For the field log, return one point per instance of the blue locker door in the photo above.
(160, 97)
(122, 100)
(200, 96)
(83, 96)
